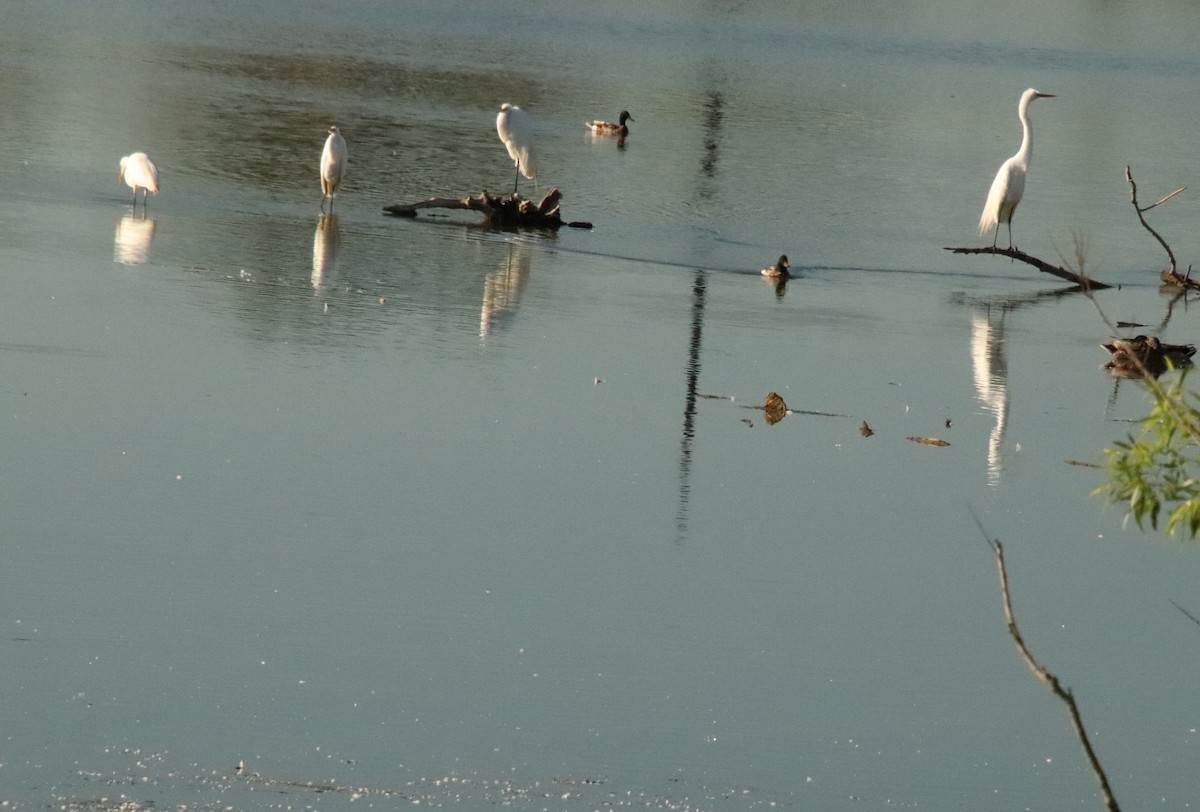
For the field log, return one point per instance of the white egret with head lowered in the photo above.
(1009, 185)
(515, 128)
(139, 172)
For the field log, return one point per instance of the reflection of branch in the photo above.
(1044, 267)
(1045, 676)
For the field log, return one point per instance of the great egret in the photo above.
(139, 172)
(515, 128)
(608, 128)
(778, 270)
(1009, 185)
(334, 159)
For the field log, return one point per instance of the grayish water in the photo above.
(340, 497)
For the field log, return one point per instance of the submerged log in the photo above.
(1176, 279)
(507, 211)
(1083, 282)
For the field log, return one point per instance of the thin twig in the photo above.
(1140, 211)
(1045, 676)
(1165, 199)
(1190, 616)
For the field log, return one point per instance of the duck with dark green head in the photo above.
(620, 130)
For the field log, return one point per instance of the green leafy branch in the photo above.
(1158, 471)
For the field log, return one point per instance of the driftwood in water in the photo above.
(506, 211)
(1083, 282)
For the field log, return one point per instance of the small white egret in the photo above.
(515, 128)
(1009, 185)
(334, 159)
(599, 127)
(139, 172)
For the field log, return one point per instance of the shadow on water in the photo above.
(712, 119)
(691, 392)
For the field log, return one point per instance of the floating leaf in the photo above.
(929, 441)
(865, 430)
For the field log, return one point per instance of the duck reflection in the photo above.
(326, 243)
(131, 245)
(989, 363)
(502, 290)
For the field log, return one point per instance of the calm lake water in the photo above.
(414, 511)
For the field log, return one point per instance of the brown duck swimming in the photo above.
(1130, 356)
(779, 270)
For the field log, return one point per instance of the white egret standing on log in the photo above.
(515, 128)
(1009, 185)
(334, 159)
(139, 172)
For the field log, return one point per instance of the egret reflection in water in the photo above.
(131, 244)
(327, 241)
(989, 365)
(502, 290)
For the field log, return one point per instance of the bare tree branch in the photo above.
(1045, 676)
(1173, 276)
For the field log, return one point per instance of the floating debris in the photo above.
(948, 422)
(929, 441)
(748, 422)
(499, 210)
(1083, 464)
(865, 430)
(774, 409)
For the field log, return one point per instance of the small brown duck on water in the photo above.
(1130, 356)
(621, 130)
(779, 270)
